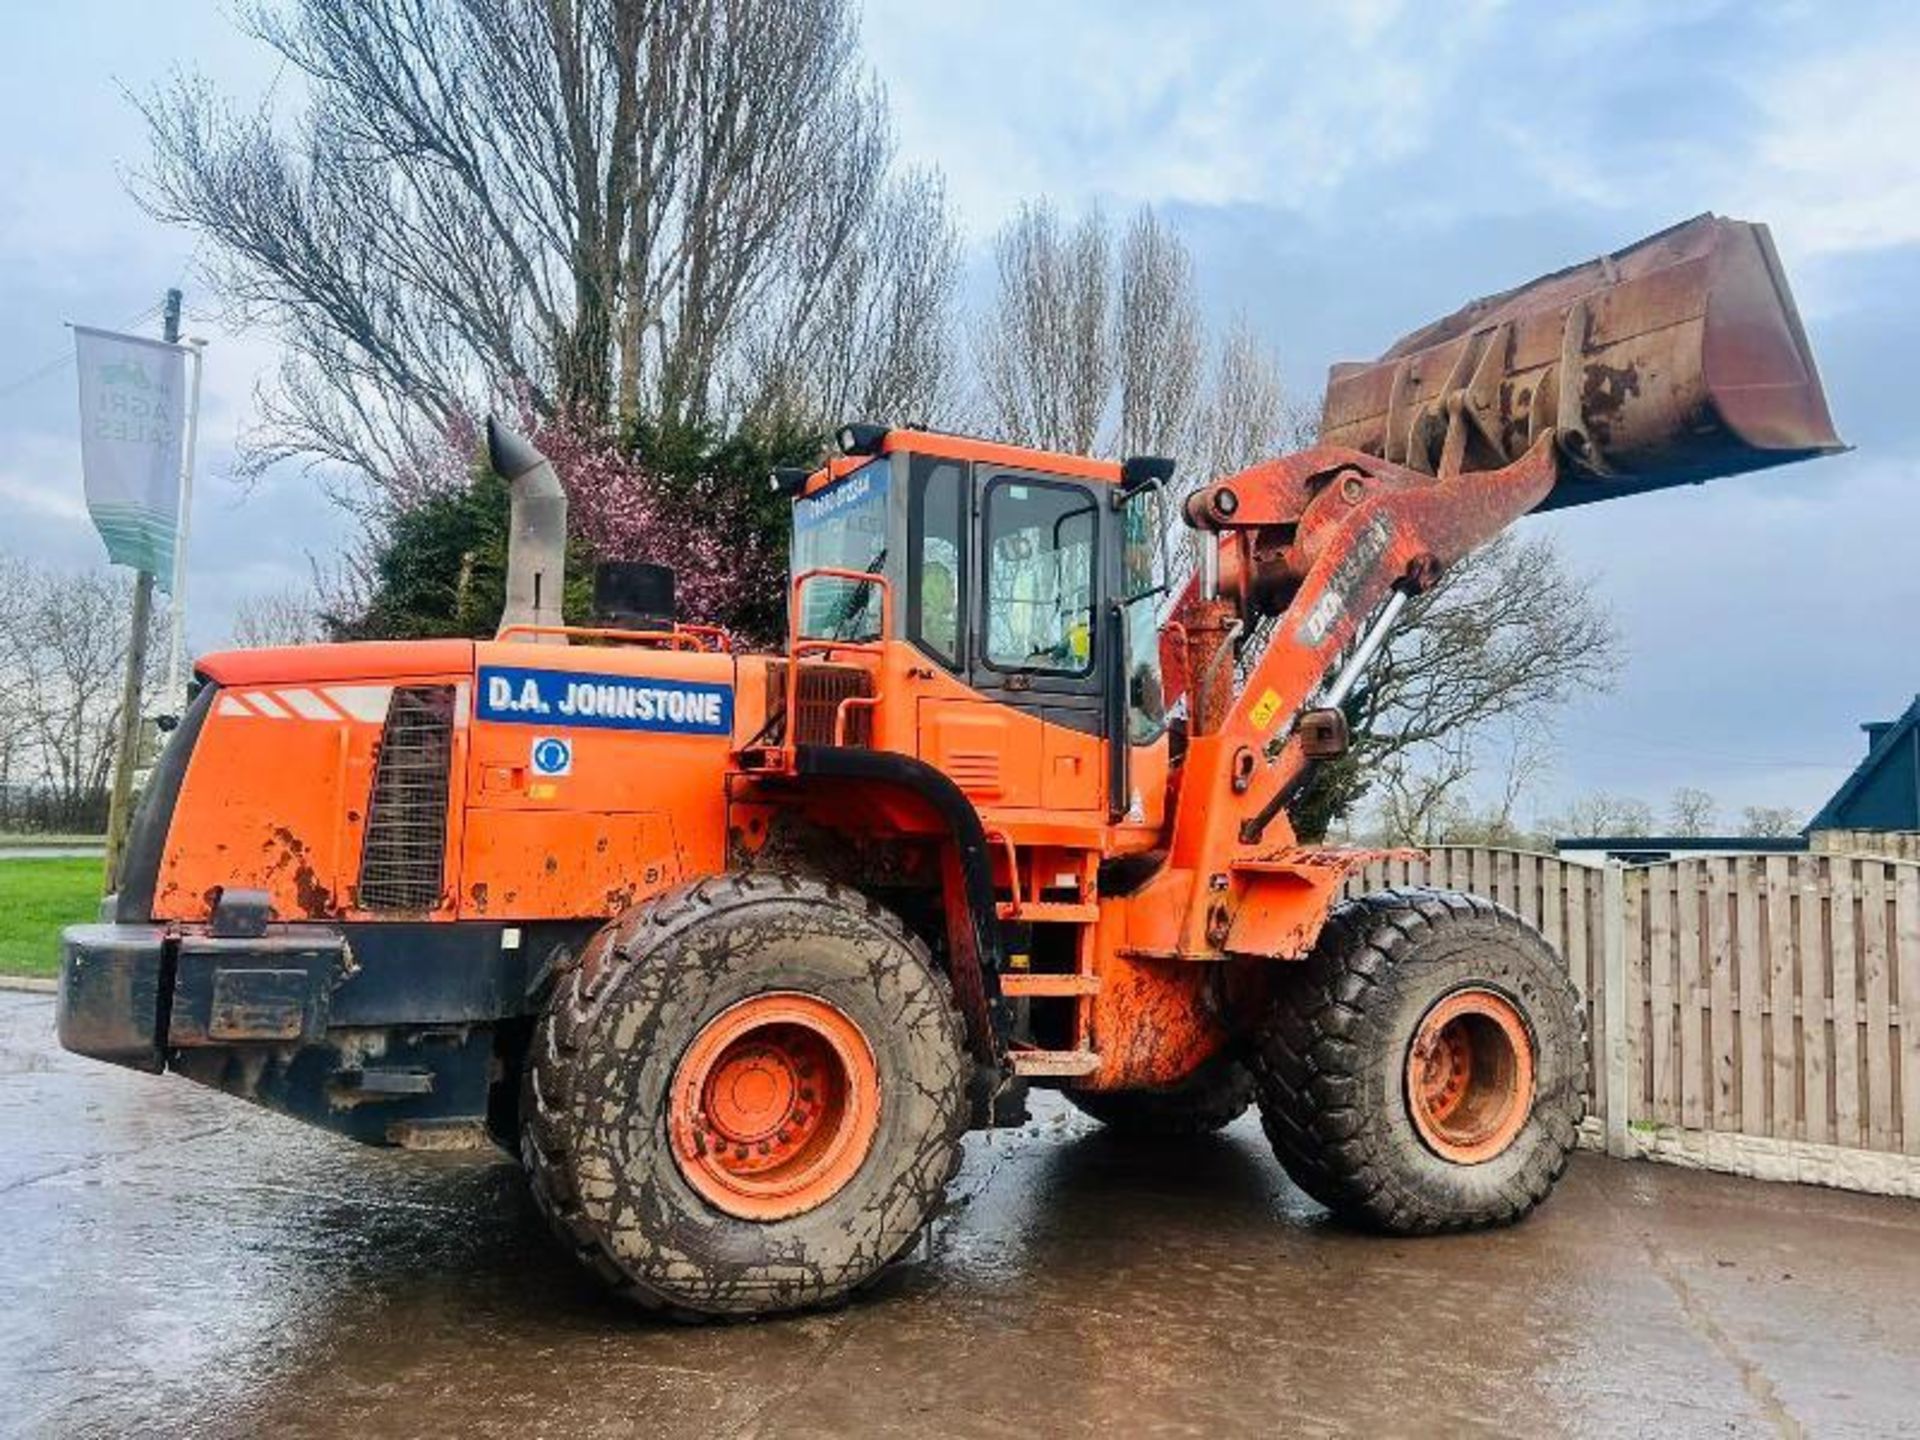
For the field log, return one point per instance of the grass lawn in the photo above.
(37, 897)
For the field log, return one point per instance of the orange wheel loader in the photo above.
(733, 948)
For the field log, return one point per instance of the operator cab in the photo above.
(1033, 577)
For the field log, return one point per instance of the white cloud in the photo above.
(1216, 105)
(41, 478)
(1370, 114)
(1839, 165)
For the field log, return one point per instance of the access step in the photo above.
(1054, 1063)
(1018, 983)
(1048, 912)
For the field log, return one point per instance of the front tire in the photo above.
(747, 1097)
(1426, 1069)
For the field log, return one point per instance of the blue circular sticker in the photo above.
(552, 756)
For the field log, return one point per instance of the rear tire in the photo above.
(798, 1019)
(1426, 1068)
(1211, 1098)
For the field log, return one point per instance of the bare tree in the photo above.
(1097, 346)
(1507, 630)
(1519, 757)
(1507, 637)
(15, 757)
(288, 616)
(1421, 798)
(592, 205)
(1692, 812)
(1158, 342)
(871, 334)
(1044, 347)
(63, 650)
(1247, 415)
(1598, 815)
(1428, 795)
(1769, 821)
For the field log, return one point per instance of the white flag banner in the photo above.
(133, 408)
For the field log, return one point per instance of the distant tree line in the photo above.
(1456, 819)
(63, 654)
(1690, 814)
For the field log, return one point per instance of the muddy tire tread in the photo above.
(1310, 1071)
(584, 984)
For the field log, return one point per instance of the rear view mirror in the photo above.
(1322, 734)
(1139, 471)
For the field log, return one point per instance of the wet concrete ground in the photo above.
(174, 1262)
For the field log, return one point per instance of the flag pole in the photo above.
(127, 752)
(177, 641)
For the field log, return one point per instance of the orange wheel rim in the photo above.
(1470, 1076)
(774, 1106)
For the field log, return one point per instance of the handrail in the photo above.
(1014, 902)
(841, 718)
(798, 644)
(681, 637)
(721, 637)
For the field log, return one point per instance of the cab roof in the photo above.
(966, 447)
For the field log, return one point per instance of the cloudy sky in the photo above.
(1343, 174)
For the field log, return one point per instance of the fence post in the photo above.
(1613, 962)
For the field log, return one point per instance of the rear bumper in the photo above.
(129, 992)
(110, 993)
(384, 1033)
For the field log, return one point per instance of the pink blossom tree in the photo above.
(705, 521)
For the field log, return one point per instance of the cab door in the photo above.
(991, 753)
(1036, 611)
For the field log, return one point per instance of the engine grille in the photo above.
(822, 688)
(404, 858)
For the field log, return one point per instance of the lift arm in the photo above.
(1327, 539)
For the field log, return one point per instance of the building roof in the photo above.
(1759, 844)
(1883, 792)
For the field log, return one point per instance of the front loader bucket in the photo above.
(1673, 361)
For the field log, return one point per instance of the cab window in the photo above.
(843, 527)
(1038, 576)
(935, 530)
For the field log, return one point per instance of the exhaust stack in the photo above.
(1675, 360)
(536, 532)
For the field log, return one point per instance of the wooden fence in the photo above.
(1883, 844)
(1775, 997)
